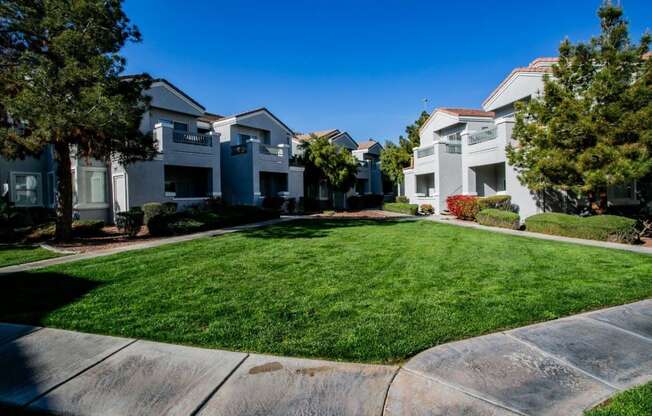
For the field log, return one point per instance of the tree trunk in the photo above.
(64, 192)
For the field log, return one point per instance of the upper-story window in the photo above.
(266, 138)
(27, 188)
(455, 137)
(180, 127)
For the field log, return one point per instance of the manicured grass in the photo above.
(634, 402)
(10, 255)
(359, 290)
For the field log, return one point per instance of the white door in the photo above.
(119, 194)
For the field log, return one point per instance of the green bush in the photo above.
(151, 209)
(87, 228)
(169, 207)
(186, 226)
(598, 227)
(402, 199)
(426, 209)
(130, 222)
(410, 209)
(503, 202)
(498, 218)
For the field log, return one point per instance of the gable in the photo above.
(344, 140)
(166, 97)
(516, 87)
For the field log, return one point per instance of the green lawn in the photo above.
(10, 255)
(634, 402)
(369, 291)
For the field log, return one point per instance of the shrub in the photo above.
(354, 203)
(402, 199)
(273, 202)
(185, 226)
(498, 218)
(358, 202)
(301, 205)
(426, 209)
(410, 209)
(87, 228)
(291, 205)
(373, 201)
(464, 207)
(130, 222)
(503, 202)
(169, 207)
(214, 204)
(599, 227)
(152, 209)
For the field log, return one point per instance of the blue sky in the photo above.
(360, 66)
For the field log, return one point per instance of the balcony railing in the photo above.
(270, 150)
(427, 151)
(482, 136)
(192, 138)
(453, 148)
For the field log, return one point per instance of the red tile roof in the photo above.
(466, 112)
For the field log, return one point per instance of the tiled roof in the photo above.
(321, 133)
(467, 112)
(366, 145)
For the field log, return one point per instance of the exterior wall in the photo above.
(295, 182)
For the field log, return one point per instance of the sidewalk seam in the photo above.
(463, 390)
(609, 324)
(77, 374)
(212, 393)
(389, 386)
(562, 361)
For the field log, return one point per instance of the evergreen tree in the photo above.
(592, 127)
(60, 85)
(394, 158)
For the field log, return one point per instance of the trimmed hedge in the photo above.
(498, 218)
(402, 199)
(410, 209)
(130, 222)
(503, 202)
(598, 227)
(358, 202)
(192, 221)
(152, 209)
(464, 207)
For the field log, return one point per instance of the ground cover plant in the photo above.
(352, 290)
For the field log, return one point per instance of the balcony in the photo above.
(454, 148)
(192, 138)
(425, 152)
(483, 136)
(266, 149)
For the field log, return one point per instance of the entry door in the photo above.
(119, 194)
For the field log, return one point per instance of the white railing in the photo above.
(270, 150)
(426, 151)
(192, 138)
(482, 136)
(453, 148)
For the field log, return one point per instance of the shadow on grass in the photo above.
(313, 227)
(26, 298)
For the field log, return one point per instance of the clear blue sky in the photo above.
(360, 66)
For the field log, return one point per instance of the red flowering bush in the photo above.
(464, 207)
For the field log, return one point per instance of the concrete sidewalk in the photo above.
(560, 367)
(138, 246)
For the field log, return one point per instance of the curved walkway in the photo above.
(560, 367)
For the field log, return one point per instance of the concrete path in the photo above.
(593, 243)
(556, 368)
(138, 246)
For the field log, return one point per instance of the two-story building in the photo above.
(256, 150)
(437, 162)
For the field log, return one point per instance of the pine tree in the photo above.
(592, 127)
(60, 86)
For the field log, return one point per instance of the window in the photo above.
(92, 186)
(27, 189)
(323, 191)
(182, 127)
(266, 138)
(203, 131)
